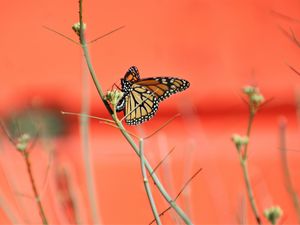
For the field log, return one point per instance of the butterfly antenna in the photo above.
(114, 85)
(104, 35)
(60, 34)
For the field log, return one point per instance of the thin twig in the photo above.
(104, 35)
(179, 193)
(291, 35)
(243, 161)
(250, 122)
(161, 127)
(265, 103)
(146, 183)
(60, 34)
(161, 161)
(115, 126)
(187, 183)
(34, 189)
(7, 134)
(93, 117)
(161, 214)
(249, 189)
(293, 69)
(285, 17)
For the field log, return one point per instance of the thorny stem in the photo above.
(162, 190)
(243, 160)
(35, 191)
(146, 183)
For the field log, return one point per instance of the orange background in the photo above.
(219, 46)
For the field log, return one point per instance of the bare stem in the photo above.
(86, 150)
(249, 189)
(287, 176)
(8, 210)
(34, 189)
(243, 155)
(250, 122)
(146, 183)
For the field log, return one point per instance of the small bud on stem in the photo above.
(255, 98)
(76, 28)
(273, 214)
(114, 97)
(22, 143)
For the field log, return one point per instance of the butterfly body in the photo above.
(141, 97)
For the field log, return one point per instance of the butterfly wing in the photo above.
(163, 87)
(142, 96)
(132, 75)
(141, 105)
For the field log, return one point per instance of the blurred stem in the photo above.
(286, 171)
(7, 208)
(250, 122)
(146, 183)
(84, 130)
(33, 185)
(165, 194)
(243, 156)
(249, 189)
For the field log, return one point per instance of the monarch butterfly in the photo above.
(141, 96)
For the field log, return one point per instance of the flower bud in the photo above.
(249, 90)
(273, 214)
(76, 28)
(22, 143)
(114, 96)
(239, 141)
(255, 98)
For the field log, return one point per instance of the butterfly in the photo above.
(141, 97)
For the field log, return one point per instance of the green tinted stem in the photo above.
(146, 183)
(34, 189)
(243, 160)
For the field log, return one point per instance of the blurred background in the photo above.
(219, 46)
